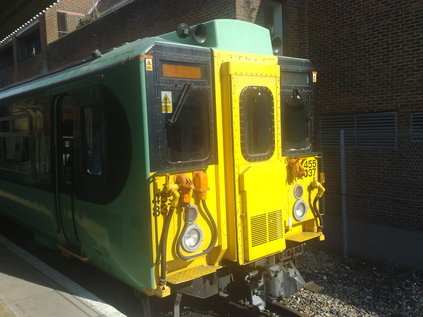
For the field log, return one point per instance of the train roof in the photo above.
(222, 34)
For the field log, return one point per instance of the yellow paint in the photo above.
(251, 202)
(253, 188)
(176, 267)
(161, 291)
(191, 274)
(71, 254)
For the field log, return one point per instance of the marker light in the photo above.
(191, 214)
(298, 191)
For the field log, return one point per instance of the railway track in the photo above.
(220, 308)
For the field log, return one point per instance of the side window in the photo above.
(257, 123)
(14, 143)
(93, 140)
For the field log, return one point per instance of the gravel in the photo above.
(356, 287)
(352, 287)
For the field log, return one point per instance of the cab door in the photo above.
(253, 92)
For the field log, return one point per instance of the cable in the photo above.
(164, 245)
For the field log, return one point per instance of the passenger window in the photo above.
(257, 123)
(20, 124)
(93, 140)
(14, 144)
(67, 124)
(5, 126)
(21, 149)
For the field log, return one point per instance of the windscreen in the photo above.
(180, 108)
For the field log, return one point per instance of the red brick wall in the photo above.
(369, 55)
(75, 6)
(136, 20)
(250, 11)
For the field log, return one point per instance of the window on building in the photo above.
(62, 23)
(374, 130)
(417, 127)
(6, 57)
(257, 123)
(29, 44)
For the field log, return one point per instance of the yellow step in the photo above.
(305, 236)
(191, 273)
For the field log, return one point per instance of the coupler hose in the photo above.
(318, 213)
(164, 245)
(321, 191)
(165, 232)
(212, 242)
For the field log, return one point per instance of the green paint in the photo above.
(233, 36)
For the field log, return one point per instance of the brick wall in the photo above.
(143, 18)
(370, 59)
(76, 9)
(369, 55)
(250, 11)
(136, 20)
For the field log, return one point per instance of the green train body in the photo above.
(85, 155)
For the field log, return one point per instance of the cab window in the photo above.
(296, 121)
(187, 128)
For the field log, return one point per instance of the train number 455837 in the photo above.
(310, 166)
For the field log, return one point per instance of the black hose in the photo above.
(212, 243)
(318, 213)
(165, 233)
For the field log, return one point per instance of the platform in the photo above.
(30, 288)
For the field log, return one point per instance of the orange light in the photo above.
(181, 71)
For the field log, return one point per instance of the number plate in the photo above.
(310, 166)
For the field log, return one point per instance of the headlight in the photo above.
(300, 210)
(298, 191)
(192, 238)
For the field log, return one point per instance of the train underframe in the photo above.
(264, 281)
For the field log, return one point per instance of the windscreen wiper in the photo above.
(186, 87)
(297, 97)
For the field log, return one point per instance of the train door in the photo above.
(65, 126)
(253, 91)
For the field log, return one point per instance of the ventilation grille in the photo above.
(258, 230)
(266, 228)
(274, 223)
(417, 126)
(361, 130)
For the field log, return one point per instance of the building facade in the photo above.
(369, 55)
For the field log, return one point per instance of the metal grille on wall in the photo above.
(383, 175)
(417, 126)
(361, 130)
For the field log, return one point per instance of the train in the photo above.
(179, 164)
